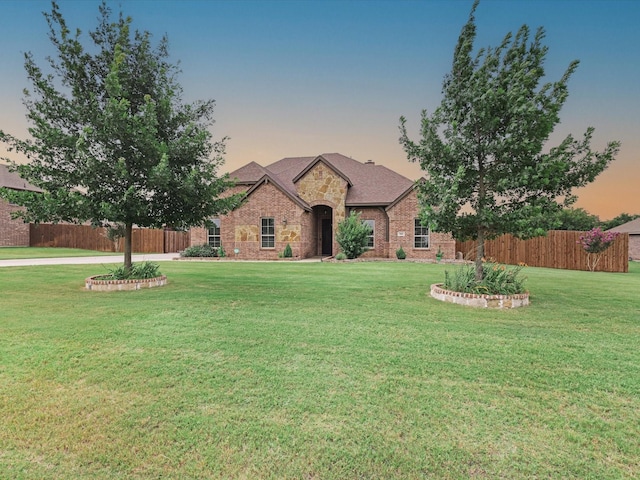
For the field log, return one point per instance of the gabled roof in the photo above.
(404, 194)
(248, 174)
(632, 227)
(317, 160)
(369, 184)
(267, 178)
(14, 181)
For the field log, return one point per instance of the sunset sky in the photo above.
(300, 78)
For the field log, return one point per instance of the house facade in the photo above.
(633, 229)
(300, 201)
(13, 233)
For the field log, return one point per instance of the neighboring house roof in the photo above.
(14, 181)
(632, 227)
(370, 184)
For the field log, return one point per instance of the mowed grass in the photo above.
(316, 371)
(15, 253)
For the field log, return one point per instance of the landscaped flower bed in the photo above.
(105, 283)
(479, 300)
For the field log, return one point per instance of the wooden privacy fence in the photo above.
(144, 240)
(559, 249)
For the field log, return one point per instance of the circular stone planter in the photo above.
(479, 300)
(99, 284)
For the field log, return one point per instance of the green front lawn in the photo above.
(313, 370)
(14, 253)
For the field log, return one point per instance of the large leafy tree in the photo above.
(577, 219)
(112, 142)
(482, 148)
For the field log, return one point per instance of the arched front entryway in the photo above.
(323, 228)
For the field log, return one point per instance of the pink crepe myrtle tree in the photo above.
(595, 242)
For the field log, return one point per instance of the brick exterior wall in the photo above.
(13, 233)
(241, 229)
(381, 228)
(402, 217)
(634, 246)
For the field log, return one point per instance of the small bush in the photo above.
(498, 280)
(200, 251)
(221, 252)
(401, 254)
(352, 235)
(288, 253)
(341, 256)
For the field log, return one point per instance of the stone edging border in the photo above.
(479, 300)
(94, 283)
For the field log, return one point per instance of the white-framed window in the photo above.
(268, 233)
(421, 235)
(371, 238)
(213, 235)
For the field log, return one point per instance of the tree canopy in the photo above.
(482, 147)
(113, 143)
(576, 219)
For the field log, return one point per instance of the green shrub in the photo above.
(139, 271)
(221, 252)
(352, 235)
(288, 253)
(200, 251)
(498, 280)
(401, 254)
(341, 256)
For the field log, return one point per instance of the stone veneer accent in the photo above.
(95, 283)
(288, 233)
(247, 233)
(478, 300)
(322, 186)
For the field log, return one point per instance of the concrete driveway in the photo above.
(106, 259)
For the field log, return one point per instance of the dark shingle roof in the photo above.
(249, 174)
(632, 227)
(14, 181)
(370, 184)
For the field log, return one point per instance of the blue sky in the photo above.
(307, 77)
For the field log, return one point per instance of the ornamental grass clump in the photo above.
(497, 280)
(595, 242)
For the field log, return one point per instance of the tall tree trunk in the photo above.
(128, 233)
(479, 255)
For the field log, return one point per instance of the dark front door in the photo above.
(327, 237)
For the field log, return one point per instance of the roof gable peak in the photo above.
(322, 159)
